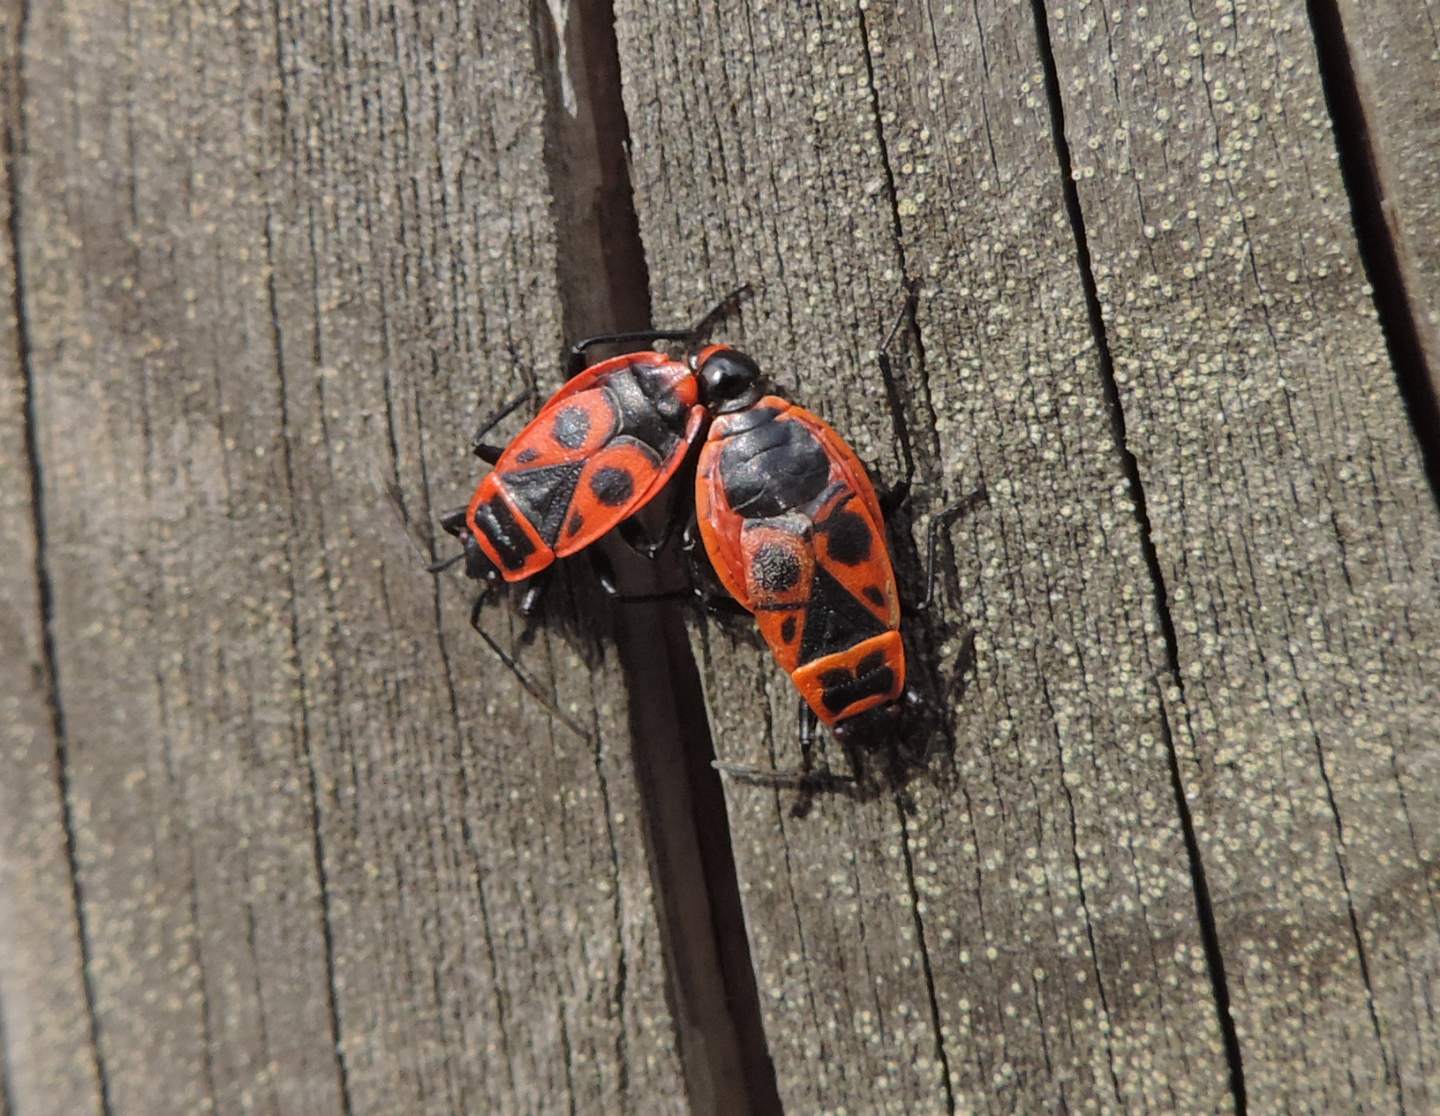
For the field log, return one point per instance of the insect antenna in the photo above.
(504, 412)
(718, 313)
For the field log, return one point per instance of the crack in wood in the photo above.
(1412, 352)
(8, 1106)
(12, 145)
(1204, 908)
(603, 283)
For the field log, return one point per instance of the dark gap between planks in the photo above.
(603, 284)
(1379, 246)
(1204, 908)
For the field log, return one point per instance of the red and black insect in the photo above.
(795, 533)
(598, 451)
(601, 448)
(793, 529)
(791, 524)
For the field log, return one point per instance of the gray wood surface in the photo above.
(280, 834)
(331, 856)
(1295, 530)
(45, 1038)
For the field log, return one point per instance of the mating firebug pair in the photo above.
(790, 521)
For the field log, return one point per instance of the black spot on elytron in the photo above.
(875, 596)
(787, 629)
(775, 568)
(834, 620)
(543, 494)
(576, 522)
(525, 456)
(612, 486)
(495, 521)
(571, 427)
(849, 537)
(840, 689)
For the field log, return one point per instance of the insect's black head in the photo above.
(729, 380)
(477, 564)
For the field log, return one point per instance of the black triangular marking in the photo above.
(835, 620)
(544, 494)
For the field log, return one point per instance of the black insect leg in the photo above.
(806, 781)
(576, 361)
(719, 312)
(534, 594)
(529, 685)
(943, 519)
(445, 563)
(408, 531)
(719, 603)
(896, 495)
(487, 451)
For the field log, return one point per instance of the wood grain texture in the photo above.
(334, 858)
(278, 834)
(45, 1039)
(1016, 932)
(1396, 48)
(1298, 539)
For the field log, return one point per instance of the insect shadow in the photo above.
(568, 613)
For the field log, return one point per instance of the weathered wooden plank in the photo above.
(1297, 537)
(1017, 930)
(1395, 46)
(334, 858)
(46, 1055)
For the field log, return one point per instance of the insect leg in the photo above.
(445, 563)
(719, 312)
(408, 531)
(897, 493)
(718, 603)
(806, 781)
(942, 519)
(534, 594)
(478, 445)
(576, 361)
(529, 685)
